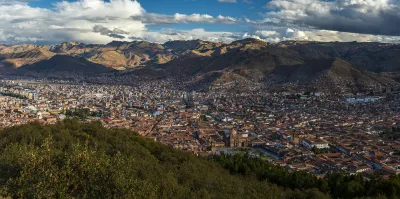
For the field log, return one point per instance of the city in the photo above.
(200, 99)
(313, 131)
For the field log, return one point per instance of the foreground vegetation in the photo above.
(79, 160)
(85, 160)
(337, 185)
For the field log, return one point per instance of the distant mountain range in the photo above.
(332, 64)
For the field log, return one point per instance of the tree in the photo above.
(72, 159)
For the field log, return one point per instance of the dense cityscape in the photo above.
(313, 131)
(200, 99)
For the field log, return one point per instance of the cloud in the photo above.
(248, 1)
(116, 33)
(9, 2)
(266, 33)
(379, 17)
(278, 34)
(101, 21)
(227, 1)
(99, 9)
(97, 21)
(69, 21)
(198, 33)
(247, 35)
(158, 19)
(267, 22)
(327, 35)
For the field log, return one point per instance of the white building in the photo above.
(317, 143)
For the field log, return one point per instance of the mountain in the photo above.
(6, 50)
(376, 57)
(64, 65)
(117, 55)
(124, 55)
(72, 159)
(19, 55)
(35, 55)
(250, 60)
(332, 73)
(73, 48)
(199, 45)
(253, 53)
(327, 65)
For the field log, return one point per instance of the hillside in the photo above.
(329, 73)
(76, 160)
(375, 57)
(63, 65)
(33, 56)
(276, 66)
(249, 60)
(71, 159)
(19, 55)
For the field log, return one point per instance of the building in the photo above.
(238, 139)
(317, 143)
(396, 127)
(362, 100)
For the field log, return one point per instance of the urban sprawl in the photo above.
(314, 131)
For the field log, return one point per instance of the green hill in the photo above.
(85, 160)
(77, 160)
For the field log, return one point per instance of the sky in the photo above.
(102, 21)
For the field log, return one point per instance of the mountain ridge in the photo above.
(252, 59)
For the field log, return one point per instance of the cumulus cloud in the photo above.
(89, 21)
(247, 35)
(379, 17)
(266, 33)
(157, 19)
(199, 33)
(282, 34)
(327, 35)
(69, 21)
(101, 21)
